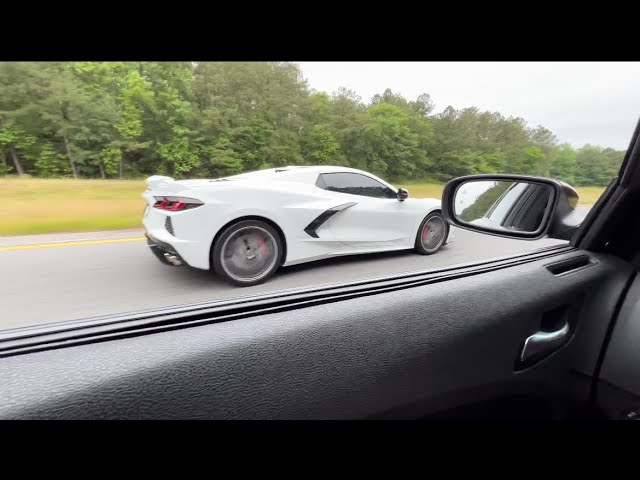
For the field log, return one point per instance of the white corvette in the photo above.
(246, 226)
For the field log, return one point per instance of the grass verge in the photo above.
(29, 206)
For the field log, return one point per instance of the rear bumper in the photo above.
(164, 252)
(189, 235)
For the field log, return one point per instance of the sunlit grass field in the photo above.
(589, 195)
(65, 205)
(30, 206)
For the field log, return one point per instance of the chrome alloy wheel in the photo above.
(433, 233)
(249, 254)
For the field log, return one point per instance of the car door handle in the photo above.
(544, 343)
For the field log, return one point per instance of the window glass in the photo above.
(354, 184)
(116, 177)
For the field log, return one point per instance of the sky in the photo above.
(581, 102)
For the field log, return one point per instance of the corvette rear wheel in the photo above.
(247, 253)
(432, 234)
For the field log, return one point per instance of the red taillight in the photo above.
(176, 204)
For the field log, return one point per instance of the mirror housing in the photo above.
(403, 194)
(558, 218)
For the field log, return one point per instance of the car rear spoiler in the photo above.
(158, 181)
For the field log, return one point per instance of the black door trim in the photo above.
(324, 216)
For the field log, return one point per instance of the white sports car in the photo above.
(246, 226)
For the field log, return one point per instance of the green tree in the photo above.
(564, 164)
(15, 142)
(223, 159)
(51, 163)
(528, 161)
(546, 141)
(388, 143)
(322, 147)
(107, 119)
(597, 166)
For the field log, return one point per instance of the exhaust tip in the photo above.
(172, 259)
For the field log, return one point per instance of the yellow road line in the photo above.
(71, 244)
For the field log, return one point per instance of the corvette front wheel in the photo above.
(432, 234)
(247, 253)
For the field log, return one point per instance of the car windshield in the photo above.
(129, 186)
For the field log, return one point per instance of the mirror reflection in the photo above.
(503, 205)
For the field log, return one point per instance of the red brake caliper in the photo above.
(263, 247)
(425, 233)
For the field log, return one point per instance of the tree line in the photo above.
(211, 119)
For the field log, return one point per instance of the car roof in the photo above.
(296, 173)
(318, 169)
(293, 169)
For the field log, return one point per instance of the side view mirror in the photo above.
(512, 206)
(403, 194)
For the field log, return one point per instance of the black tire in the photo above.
(433, 244)
(239, 258)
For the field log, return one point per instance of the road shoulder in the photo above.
(52, 238)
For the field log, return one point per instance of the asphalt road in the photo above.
(70, 282)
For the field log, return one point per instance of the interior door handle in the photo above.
(544, 342)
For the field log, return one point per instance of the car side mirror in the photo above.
(403, 194)
(512, 206)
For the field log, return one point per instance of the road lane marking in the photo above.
(71, 244)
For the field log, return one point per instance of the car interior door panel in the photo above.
(403, 350)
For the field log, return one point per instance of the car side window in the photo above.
(354, 184)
